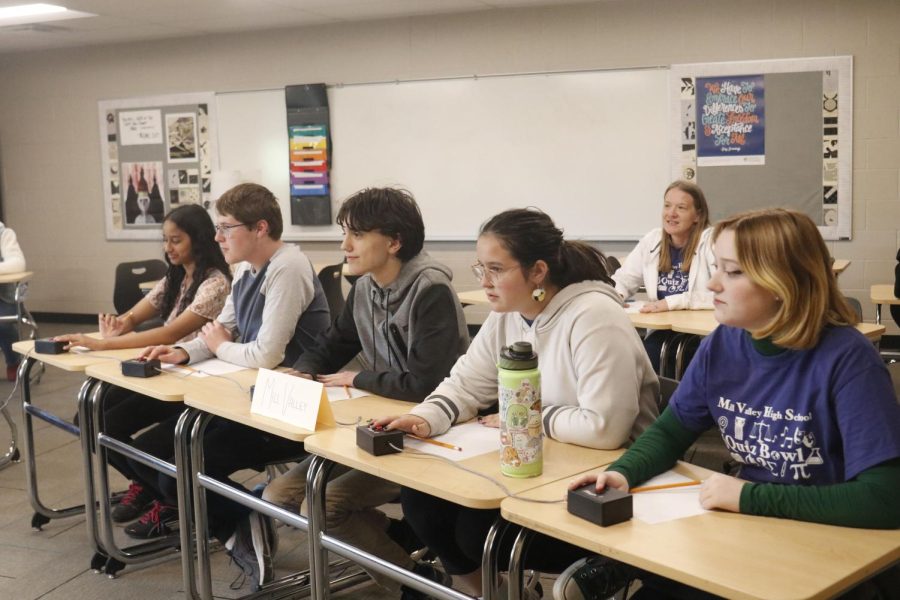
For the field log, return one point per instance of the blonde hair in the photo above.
(783, 252)
(665, 245)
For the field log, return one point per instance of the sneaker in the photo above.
(428, 571)
(161, 520)
(132, 505)
(251, 549)
(593, 578)
(12, 371)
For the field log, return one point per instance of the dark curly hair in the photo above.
(196, 223)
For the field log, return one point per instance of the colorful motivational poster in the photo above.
(731, 121)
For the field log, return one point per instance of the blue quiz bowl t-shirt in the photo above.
(818, 416)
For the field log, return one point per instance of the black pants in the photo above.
(228, 447)
(126, 413)
(457, 534)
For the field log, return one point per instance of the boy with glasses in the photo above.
(274, 312)
(404, 324)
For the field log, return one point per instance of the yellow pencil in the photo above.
(435, 442)
(665, 486)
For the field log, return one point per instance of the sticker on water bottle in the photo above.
(521, 434)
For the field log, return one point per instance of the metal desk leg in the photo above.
(12, 454)
(43, 513)
(109, 556)
(683, 341)
(23, 317)
(87, 450)
(516, 560)
(198, 493)
(316, 478)
(183, 479)
(878, 314)
(664, 356)
(490, 569)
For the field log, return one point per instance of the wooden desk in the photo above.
(166, 387)
(476, 297)
(146, 286)
(732, 555)
(882, 294)
(839, 265)
(67, 361)
(229, 398)
(432, 476)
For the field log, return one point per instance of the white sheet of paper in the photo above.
(204, 368)
(290, 399)
(214, 366)
(473, 437)
(338, 392)
(634, 306)
(667, 505)
(79, 349)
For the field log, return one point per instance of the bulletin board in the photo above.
(157, 153)
(758, 134)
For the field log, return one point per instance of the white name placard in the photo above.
(290, 399)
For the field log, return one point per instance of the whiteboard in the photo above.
(589, 148)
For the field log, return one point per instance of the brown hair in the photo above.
(251, 203)
(665, 245)
(783, 252)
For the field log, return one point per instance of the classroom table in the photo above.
(22, 317)
(227, 397)
(882, 294)
(432, 476)
(68, 361)
(166, 387)
(839, 265)
(741, 557)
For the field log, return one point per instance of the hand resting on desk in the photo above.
(653, 307)
(166, 354)
(79, 339)
(338, 379)
(492, 420)
(717, 491)
(612, 479)
(408, 423)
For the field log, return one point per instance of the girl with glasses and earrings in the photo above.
(598, 387)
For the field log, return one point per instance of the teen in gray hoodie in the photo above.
(404, 325)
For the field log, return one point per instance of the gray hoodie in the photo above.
(407, 334)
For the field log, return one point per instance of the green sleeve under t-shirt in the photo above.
(868, 500)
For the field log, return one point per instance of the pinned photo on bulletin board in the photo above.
(157, 153)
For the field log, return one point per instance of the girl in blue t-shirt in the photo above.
(802, 400)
